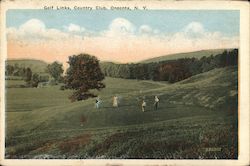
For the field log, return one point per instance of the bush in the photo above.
(52, 82)
(62, 87)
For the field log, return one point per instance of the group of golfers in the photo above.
(144, 104)
(116, 103)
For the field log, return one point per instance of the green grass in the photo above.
(14, 83)
(194, 115)
(28, 99)
(196, 54)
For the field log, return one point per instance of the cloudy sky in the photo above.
(120, 36)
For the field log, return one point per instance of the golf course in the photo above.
(124, 81)
(196, 119)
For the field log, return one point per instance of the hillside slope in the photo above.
(205, 104)
(196, 54)
(37, 66)
(216, 89)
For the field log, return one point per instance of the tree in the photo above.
(55, 70)
(9, 70)
(28, 76)
(84, 73)
(35, 80)
(124, 71)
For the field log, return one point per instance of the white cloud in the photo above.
(121, 41)
(34, 30)
(195, 37)
(33, 26)
(74, 28)
(145, 29)
(120, 27)
(148, 30)
(194, 27)
(194, 30)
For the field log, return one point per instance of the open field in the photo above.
(197, 118)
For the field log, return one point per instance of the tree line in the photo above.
(86, 73)
(32, 79)
(170, 70)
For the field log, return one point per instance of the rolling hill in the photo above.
(37, 66)
(190, 113)
(196, 54)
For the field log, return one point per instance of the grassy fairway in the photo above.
(194, 115)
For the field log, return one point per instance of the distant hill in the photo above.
(196, 54)
(37, 66)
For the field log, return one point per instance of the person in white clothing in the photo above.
(97, 102)
(115, 101)
(143, 105)
(156, 103)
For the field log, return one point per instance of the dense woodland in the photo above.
(170, 70)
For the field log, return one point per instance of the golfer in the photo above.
(115, 101)
(97, 103)
(143, 105)
(156, 103)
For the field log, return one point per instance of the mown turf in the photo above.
(197, 118)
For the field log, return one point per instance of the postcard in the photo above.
(124, 83)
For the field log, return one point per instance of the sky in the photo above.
(120, 35)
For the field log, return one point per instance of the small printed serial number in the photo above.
(213, 149)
